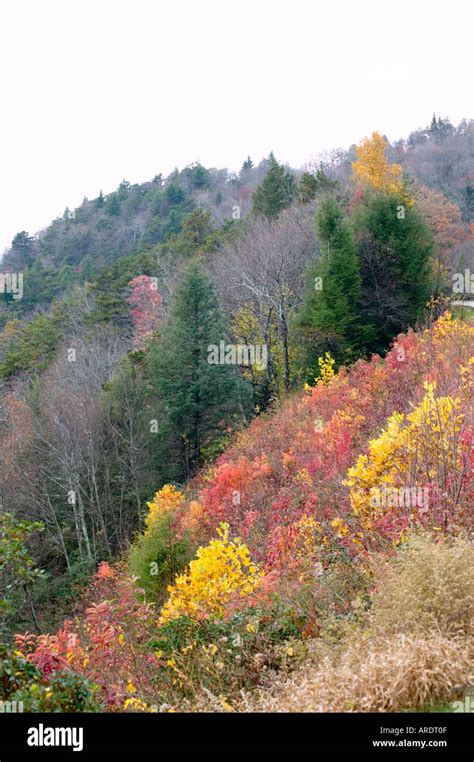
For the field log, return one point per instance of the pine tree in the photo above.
(395, 250)
(307, 187)
(199, 177)
(196, 229)
(433, 128)
(328, 319)
(200, 400)
(22, 252)
(88, 269)
(445, 129)
(113, 205)
(246, 168)
(275, 192)
(468, 201)
(310, 185)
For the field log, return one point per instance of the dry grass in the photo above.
(372, 675)
(413, 647)
(428, 587)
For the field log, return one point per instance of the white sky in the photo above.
(94, 93)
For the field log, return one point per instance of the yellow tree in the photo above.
(373, 169)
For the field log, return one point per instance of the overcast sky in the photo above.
(95, 93)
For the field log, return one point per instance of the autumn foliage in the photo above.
(220, 571)
(293, 512)
(146, 308)
(372, 168)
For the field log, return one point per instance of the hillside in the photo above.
(235, 410)
(138, 217)
(352, 532)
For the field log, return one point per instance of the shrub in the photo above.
(62, 691)
(16, 672)
(158, 554)
(107, 646)
(417, 472)
(65, 691)
(219, 656)
(221, 570)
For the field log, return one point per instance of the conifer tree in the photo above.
(328, 318)
(395, 248)
(22, 252)
(310, 185)
(200, 400)
(275, 192)
(246, 169)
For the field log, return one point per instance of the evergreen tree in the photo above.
(328, 319)
(197, 228)
(445, 129)
(129, 408)
(33, 348)
(469, 201)
(199, 399)
(395, 247)
(246, 169)
(123, 190)
(307, 187)
(113, 205)
(22, 252)
(88, 269)
(174, 194)
(310, 185)
(199, 177)
(433, 128)
(275, 192)
(65, 277)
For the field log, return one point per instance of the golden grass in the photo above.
(377, 674)
(428, 587)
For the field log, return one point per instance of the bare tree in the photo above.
(264, 270)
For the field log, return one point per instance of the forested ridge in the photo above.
(236, 438)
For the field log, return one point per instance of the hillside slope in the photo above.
(352, 504)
